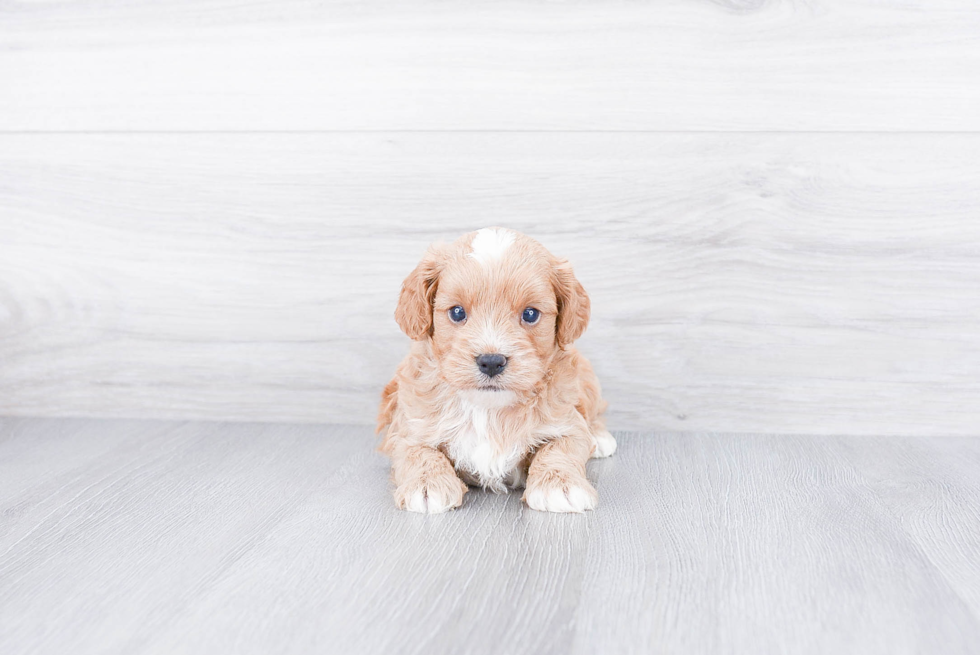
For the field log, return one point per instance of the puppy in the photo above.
(492, 393)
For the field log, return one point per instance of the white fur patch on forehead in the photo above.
(490, 244)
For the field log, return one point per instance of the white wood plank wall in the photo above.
(206, 208)
(486, 65)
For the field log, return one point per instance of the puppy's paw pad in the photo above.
(432, 497)
(567, 497)
(605, 444)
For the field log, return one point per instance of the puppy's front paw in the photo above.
(605, 444)
(553, 492)
(431, 496)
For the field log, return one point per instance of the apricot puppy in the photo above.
(493, 393)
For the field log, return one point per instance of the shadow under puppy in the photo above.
(493, 393)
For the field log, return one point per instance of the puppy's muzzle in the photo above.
(491, 365)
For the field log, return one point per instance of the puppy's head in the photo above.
(496, 307)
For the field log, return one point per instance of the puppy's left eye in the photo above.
(530, 316)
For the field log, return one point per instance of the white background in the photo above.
(206, 208)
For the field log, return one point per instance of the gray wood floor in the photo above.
(167, 537)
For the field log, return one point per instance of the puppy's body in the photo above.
(534, 420)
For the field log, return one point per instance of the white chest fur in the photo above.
(475, 446)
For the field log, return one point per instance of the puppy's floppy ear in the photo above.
(573, 304)
(414, 311)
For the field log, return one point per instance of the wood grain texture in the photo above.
(423, 65)
(768, 283)
(932, 494)
(143, 537)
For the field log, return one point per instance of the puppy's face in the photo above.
(496, 307)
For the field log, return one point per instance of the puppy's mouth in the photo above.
(489, 396)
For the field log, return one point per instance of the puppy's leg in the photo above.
(556, 479)
(425, 480)
(591, 406)
(605, 443)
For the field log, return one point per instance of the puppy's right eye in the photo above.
(457, 314)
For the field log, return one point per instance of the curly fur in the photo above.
(447, 425)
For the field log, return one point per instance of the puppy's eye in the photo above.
(530, 316)
(457, 314)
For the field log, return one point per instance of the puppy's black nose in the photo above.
(491, 365)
